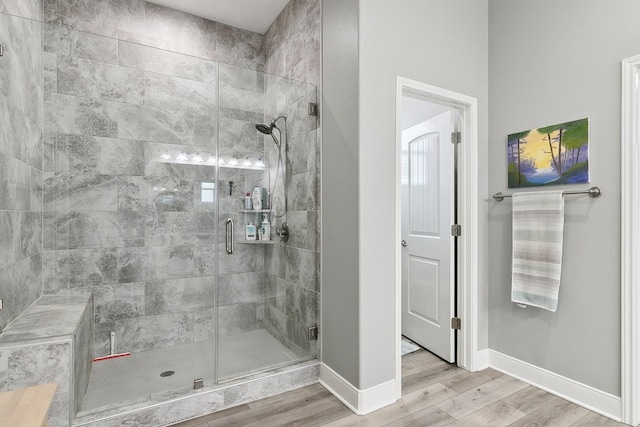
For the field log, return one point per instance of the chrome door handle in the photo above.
(229, 236)
(404, 243)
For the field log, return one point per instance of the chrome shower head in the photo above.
(266, 129)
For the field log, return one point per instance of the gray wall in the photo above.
(561, 66)
(340, 189)
(21, 115)
(441, 43)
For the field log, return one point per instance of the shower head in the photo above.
(266, 129)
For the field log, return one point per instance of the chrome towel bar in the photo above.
(593, 192)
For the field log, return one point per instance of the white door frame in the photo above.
(630, 237)
(467, 205)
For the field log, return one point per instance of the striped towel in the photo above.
(538, 223)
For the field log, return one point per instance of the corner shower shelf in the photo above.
(255, 211)
(256, 242)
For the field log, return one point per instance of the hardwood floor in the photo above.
(434, 393)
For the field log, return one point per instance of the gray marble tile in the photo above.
(243, 260)
(64, 40)
(10, 223)
(36, 190)
(241, 78)
(239, 139)
(4, 367)
(81, 116)
(238, 318)
(240, 288)
(244, 44)
(181, 28)
(145, 333)
(246, 105)
(30, 234)
(16, 179)
(82, 357)
(102, 229)
(39, 364)
(275, 260)
(82, 191)
(154, 124)
(30, 9)
(204, 323)
(101, 156)
(205, 260)
(19, 136)
(301, 268)
(302, 153)
(92, 79)
(78, 268)
(205, 131)
(155, 194)
(178, 295)
(153, 263)
(302, 192)
(179, 228)
(175, 93)
(146, 58)
(302, 229)
(119, 301)
(49, 230)
(299, 120)
(23, 285)
(126, 15)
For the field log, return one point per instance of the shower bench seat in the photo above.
(51, 342)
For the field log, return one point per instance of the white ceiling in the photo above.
(251, 15)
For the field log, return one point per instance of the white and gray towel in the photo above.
(538, 225)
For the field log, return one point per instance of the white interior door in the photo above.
(428, 288)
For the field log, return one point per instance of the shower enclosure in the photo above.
(150, 148)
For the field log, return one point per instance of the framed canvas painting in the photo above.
(549, 155)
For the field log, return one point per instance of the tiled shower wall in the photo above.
(127, 82)
(21, 115)
(292, 47)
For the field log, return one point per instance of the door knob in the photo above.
(403, 243)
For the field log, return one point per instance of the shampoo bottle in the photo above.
(250, 232)
(265, 228)
(247, 202)
(256, 198)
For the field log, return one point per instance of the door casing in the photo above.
(468, 204)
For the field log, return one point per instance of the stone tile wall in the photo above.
(126, 83)
(292, 291)
(21, 118)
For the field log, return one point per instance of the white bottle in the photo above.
(247, 202)
(256, 198)
(265, 229)
(250, 232)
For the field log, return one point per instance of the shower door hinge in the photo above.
(456, 230)
(1, 50)
(313, 109)
(312, 333)
(456, 137)
(456, 323)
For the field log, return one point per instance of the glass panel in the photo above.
(424, 173)
(267, 288)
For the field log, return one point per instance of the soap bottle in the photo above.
(256, 198)
(265, 229)
(250, 232)
(247, 202)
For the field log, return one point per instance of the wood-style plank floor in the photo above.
(434, 393)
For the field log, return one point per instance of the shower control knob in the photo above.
(404, 243)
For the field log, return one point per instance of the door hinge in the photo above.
(456, 230)
(312, 333)
(456, 137)
(456, 323)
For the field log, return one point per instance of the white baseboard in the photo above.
(566, 388)
(361, 402)
(481, 360)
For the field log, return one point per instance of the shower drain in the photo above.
(167, 373)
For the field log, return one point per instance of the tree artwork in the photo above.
(549, 155)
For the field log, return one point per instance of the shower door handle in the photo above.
(229, 236)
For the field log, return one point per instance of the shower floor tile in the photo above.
(137, 377)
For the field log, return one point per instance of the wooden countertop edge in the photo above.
(27, 406)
